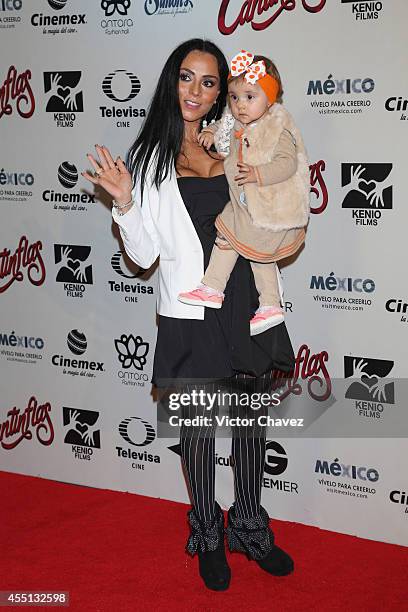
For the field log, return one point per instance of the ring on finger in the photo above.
(98, 172)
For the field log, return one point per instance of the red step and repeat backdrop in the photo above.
(77, 322)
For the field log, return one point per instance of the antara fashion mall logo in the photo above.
(121, 86)
(20, 426)
(117, 21)
(27, 259)
(69, 200)
(60, 23)
(132, 351)
(251, 11)
(16, 94)
(130, 292)
(8, 18)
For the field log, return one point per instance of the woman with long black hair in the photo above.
(166, 199)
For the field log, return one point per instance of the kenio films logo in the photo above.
(16, 88)
(368, 191)
(65, 97)
(83, 432)
(26, 257)
(250, 7)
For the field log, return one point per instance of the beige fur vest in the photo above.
(284, 205)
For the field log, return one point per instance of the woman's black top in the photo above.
(220, 345)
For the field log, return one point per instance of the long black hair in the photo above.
(163, 129)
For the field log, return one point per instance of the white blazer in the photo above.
(162, 226)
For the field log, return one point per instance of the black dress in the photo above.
(220, 346)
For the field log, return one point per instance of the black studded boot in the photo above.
(254, 537)
(207, 540)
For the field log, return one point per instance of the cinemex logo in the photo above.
(121, 86)
(132, 352)
(368, 191)
(339, 94)
(77, 344)
(74, 269)
(12, 182)
(8, 19)
(18, 426)
(167, 7)
(67, 175)
(123, 266)
(339, 287)
(16, 89)
(60, 23)
(65, 97)
(26, 257)
(370, 388)
(138, 432)
(116, 12)
(399, 497)
(397, 104)
(251, 11)
(318, 187)
(365, 10)
(399, 307)
(347, 472)
(82, 432)
(276, 463)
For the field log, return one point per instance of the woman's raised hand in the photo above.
(112, 176)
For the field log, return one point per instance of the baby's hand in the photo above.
(206, 138)
(246, 174)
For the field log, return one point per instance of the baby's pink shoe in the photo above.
(202, 296)
(264, 318)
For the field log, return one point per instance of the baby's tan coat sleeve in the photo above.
(283, 164)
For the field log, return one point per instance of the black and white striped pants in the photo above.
(248, 450)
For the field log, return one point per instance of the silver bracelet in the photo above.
(119, 207)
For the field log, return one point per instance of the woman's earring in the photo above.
(205, 121)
